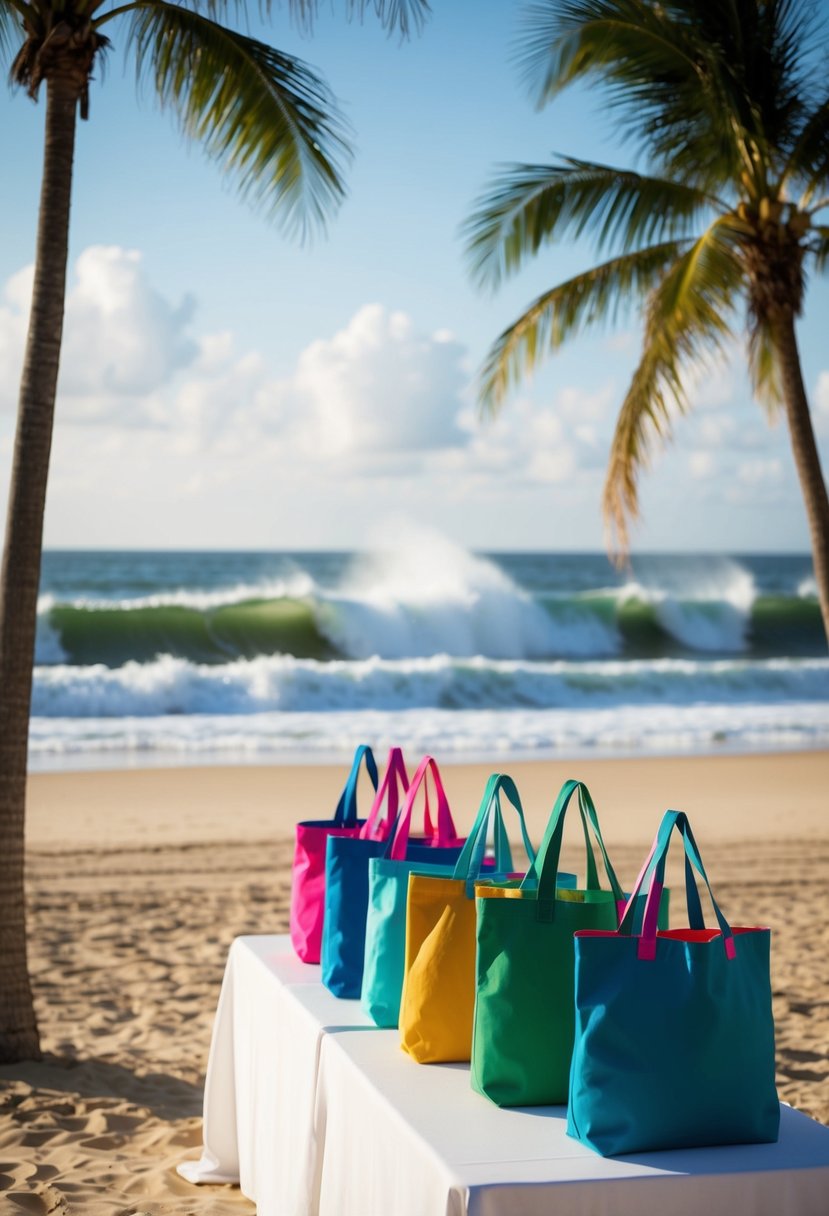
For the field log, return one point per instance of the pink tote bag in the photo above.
(308, 875)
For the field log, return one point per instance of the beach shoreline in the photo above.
(774, 794)
(138, 881)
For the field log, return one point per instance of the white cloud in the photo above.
(702, 465)
(760, 472)
(713, 430)
(122, 340)
(184, 433)
(573, 402)
(378, 386)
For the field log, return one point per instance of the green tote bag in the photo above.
(523, 1026)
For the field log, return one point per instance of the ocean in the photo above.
(177, 658)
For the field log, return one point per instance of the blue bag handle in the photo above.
(542, 874)
(469, 864)
(346, 812)
(653, 873)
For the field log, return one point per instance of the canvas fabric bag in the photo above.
(674, 1038)
(385, 954)
(346, 883)
(308, 872)
(523, 1022)
(438, 995)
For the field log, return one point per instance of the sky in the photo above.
(225, 387)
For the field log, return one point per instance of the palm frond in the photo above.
(711, 91)
(821, 250)
(265, 116)
(403, 15)
(588, 299)
(11, 27)
(807, 165)
(686, 320)
(564, 42)
(531, 205)
(764, 367)
(660, 70)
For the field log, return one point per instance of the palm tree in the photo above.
(270, 121)
(729, 104)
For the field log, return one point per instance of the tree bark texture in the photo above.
(20, 571)
(807, 459)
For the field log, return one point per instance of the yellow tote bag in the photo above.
(438, 998)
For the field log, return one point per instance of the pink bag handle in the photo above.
(395, 778)
(445, 832)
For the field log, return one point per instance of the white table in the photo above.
(316, 1113)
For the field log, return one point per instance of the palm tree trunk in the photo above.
(20, 572)
(807, 460)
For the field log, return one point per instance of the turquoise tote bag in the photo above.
(674, 1040)
(385, 952)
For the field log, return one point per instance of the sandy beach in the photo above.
(139, 880)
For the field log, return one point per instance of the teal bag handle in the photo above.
(653, 872)
(469, 864)
(696, 920)
(346, 812)
(546, 864)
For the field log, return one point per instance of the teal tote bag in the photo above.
(522, 1033)
(385, 953)
(674, 1037)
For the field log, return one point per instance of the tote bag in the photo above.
(523, 1024)
(439, 986)
(346, 894)
(385, 953)
(674, 1038)
(346, 882)
(308, 873)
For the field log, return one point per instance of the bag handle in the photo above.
(543, 873)
(696, 920)
(444, 832)
(470, 863)
(346, 812)
(653, 872)
(388, 795)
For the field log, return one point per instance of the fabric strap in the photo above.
(346, 812)
(443, 833)
(388, 796)
(543, 872)
(652, 876)
(470, 863)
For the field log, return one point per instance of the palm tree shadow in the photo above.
(58, 1080)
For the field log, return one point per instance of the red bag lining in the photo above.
(680, 935)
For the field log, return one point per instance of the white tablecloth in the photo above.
(315, 1113)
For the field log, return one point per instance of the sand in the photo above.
(139, 881)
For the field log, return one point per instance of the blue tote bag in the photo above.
(385, 952)
(346, 883)
(674, 1042)
(346, 871)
